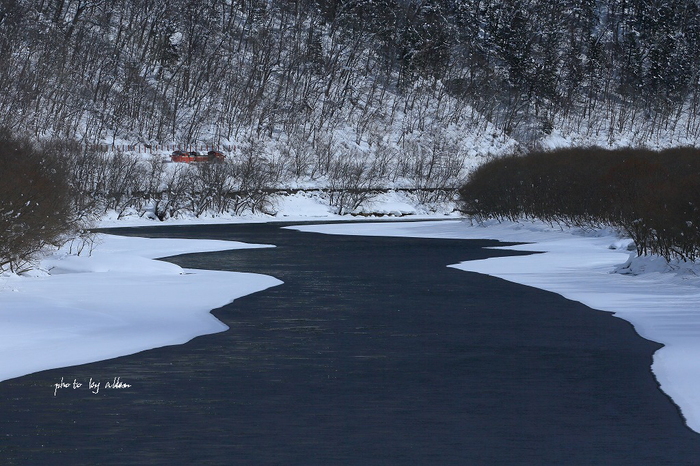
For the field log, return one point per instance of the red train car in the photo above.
(194, 156)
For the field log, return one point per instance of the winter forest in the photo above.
(348, 95)
(303, 71)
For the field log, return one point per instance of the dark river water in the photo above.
(373, 352)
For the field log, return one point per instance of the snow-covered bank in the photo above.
(662, 302)
(117, 301)
(300, 207)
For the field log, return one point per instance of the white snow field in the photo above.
(661, 300)
(115, 302)
(298, 207)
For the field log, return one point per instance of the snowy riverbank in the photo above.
(117, 301)
(303, 206)
(662, 301)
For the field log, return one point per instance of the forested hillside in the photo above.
(313, 73)
(347, 96)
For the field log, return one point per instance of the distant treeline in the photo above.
(654, 197)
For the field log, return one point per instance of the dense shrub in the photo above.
(35, 202)
(653, 196)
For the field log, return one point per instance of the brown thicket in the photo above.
(35, 202)
(654, 197)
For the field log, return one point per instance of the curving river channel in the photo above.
(371, 352)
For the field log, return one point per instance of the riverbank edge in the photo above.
(661, 300)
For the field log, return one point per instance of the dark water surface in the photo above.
(372, 352)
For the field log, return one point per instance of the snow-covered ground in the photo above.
(661, 300)
(114, 302)
(300, 207)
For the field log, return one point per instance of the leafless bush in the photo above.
(352, 179)
(435, 170)
(35, 202)
(298, 154)
(653, 196)
(123, 182)
(209, 187)
(171, 198)
(165, 188)
(87, 173)
(251, 179)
